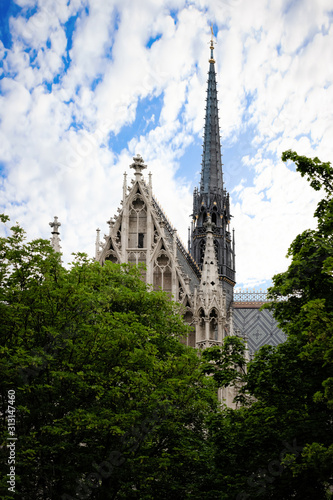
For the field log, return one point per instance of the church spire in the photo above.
(211, 171)
(211, 200)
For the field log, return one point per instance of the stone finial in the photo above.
(138, 166)
(124, 187)
(150, 186)
(55, 239)
(55, 225)
(110, 223)
(97, 244)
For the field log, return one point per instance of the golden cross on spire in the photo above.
(212, 38)
(211, 60)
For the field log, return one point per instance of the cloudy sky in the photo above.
(86, 84)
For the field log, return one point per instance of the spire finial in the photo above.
(97, 244)
(212, 60)
(124, 187)
(138, 166)
(55, 240)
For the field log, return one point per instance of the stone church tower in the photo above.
(211, 198)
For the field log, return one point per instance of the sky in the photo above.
(87, 84)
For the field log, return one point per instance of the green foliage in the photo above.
(279, 443)
(318, 173)
(306, 311)
(227, 363)
(279, 416)
(317, 458)
(110, 404)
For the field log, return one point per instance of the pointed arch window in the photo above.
(137, 223)
(202, 247)
(214, 216)
(228, 257)
(213, 325)
(140, 240)
(162, 273)
(112, 257)
(201, 325)
(188, 318)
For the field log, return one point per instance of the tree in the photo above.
(109, 403)
(310, 274)
(227, 364)
(306, 313)
(279, 443)
(277, 418)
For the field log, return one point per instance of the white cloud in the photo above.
(267, 217)
(55, 140)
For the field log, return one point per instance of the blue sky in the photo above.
(85, 85)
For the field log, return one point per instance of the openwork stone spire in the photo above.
(211, 199)
(211, 171)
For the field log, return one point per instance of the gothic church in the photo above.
(201, 277)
